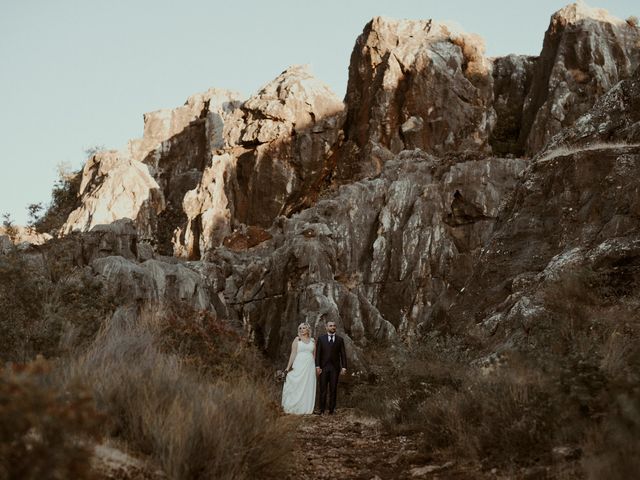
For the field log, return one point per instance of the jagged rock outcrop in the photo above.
(216, 163)
(185, 140)
(376, 256)
(283, 153)
(586, 52)
(416, 84)
(615, 118)
(573, 215)
(116, 187)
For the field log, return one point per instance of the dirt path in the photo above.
(345, 446)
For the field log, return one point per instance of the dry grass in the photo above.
(194, 426)
(562, 151)
(505, 418)
(207, 344)
(44, 431)
(584, 394)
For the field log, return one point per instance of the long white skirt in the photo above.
(299, 391)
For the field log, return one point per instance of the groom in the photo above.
(331, 361)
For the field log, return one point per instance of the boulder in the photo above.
(152, 281)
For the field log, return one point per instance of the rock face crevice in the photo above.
(512, 78)
(447, 185)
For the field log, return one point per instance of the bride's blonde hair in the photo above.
(304, 325)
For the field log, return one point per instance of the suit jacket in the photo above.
(331, 354)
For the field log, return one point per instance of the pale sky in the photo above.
(80, 73)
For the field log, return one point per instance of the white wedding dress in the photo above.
(299, 391)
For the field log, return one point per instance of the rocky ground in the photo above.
(349, 446)
(346, 445)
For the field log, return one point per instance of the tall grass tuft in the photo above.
(195, 426)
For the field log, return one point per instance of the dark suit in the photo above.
(330, 357)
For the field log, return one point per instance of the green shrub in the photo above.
(64, 200)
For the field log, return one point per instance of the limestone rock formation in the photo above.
(282, 154)
(152, 281)
(393, 211)
(375, 257)
(116, 187)
(586, 52)
(417, 84)
(573, 215)
(289, 131)
(215, 164)
(615, 118)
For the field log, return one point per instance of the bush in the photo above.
(40, 316)
(206, 343)
(8, 227)
(44, 432)
(64, 200)
(501, 418)
(194, 427)
(613, 447)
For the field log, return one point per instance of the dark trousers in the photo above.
(329, 377)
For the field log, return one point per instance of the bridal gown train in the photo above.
(299, 391)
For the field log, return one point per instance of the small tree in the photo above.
(64, 199)
(91, 151)
(34, 215)
(9, 228)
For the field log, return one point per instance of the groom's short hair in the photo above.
(327, 322)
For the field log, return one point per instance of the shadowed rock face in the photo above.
(375, 257)
(512, 76)
(574, 211)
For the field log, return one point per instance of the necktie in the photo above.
(331, 338)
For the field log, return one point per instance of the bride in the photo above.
(299, 391)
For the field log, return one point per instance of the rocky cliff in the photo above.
(447, 186)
